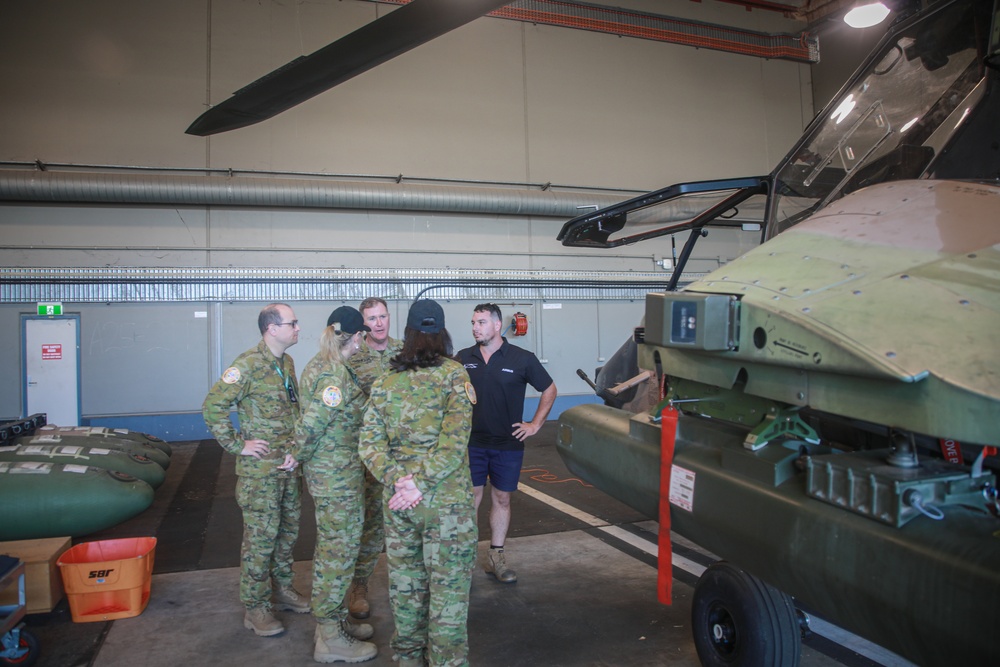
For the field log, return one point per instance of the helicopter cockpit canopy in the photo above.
(893, 120)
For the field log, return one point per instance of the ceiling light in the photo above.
(866, 16)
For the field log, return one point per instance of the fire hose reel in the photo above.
(519, 324)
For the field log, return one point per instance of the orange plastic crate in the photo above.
(108, 579)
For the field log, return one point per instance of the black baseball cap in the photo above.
(349, 318)
(426, 316)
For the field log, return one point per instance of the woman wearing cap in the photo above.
(327, 446)
(415, 441)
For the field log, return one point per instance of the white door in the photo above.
(52, 368)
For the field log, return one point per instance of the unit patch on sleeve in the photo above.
(332, 396)
(231, 375)
(470, 391)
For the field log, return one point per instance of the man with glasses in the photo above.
(262, 384)
(369, 364)
(500, 373)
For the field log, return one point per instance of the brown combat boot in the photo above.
(357, 599)
(496, 564)
(334, 643)
(288, 599)
(262, 622)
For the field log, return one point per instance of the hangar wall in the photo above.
(106, 82)
(147, 367)
(110, 87)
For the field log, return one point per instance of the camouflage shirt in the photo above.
(327, 432)
(418, 421)
(256, 384)
(369, 364)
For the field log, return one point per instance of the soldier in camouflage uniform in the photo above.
(370, 363)
(327, 448)
(261, 384)
(414, 439)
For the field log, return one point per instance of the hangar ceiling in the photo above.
(808, 11)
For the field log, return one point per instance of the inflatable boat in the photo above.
(46, 499)
(137, 465)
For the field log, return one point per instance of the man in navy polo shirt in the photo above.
(500, 373)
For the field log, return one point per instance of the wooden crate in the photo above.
(42, 581)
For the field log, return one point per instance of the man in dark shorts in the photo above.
(500, 373)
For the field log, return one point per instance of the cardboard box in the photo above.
(42, 582)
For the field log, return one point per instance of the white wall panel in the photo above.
(142, 358)
(102, 82)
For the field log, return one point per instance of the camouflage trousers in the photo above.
(272, 508)
(431, 552)
(339, 516)
(373, 532)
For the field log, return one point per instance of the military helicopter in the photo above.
(826, 407)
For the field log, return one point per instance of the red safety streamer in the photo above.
(664, 557)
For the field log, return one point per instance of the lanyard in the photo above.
(289, 388)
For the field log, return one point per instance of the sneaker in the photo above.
(262, 622)
(496, 564)
(357, 599)
(289, 599)
(334, 643)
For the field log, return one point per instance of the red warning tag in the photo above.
(951, 450)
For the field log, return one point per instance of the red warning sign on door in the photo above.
(53, 351)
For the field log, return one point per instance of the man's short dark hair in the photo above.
(269, 315)
(371, 302)
(490, 308)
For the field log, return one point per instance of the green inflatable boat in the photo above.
(52, 438)
(53, 499)
(100, 432)
(137, 465)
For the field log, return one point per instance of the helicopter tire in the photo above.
(740, 621)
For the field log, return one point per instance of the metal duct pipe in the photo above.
(214, 190)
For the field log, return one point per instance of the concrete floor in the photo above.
(586, 593)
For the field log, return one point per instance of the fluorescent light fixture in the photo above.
(865, 16)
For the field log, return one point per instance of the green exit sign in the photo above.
(50, 309)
